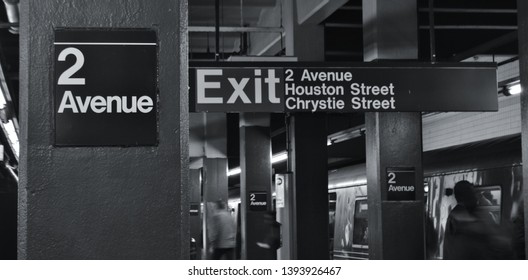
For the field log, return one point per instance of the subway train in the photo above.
(493, 166)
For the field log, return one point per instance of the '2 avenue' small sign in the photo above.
(401, 184)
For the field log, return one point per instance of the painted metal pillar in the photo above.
(308, 159)
(307, 156)
(522, 9)
(103, 202)
(214, 180)
(255, 184)
(394, 140)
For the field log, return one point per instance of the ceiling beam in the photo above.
(471, 27)
(343, 25)
(486, 47)
(235, 29)
(439, 27)
(234, 3)
(466, 10)
(316, 11)
(343, 53)
(351, 8)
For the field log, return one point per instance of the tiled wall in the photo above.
(450, 129)
(508, 71)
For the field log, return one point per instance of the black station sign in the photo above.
(194, 209)
(401, 184)
(105, 87)
(258, 201)
(367, 87)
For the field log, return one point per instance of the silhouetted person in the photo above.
(223, 233)
(470, 233)
(465, 234)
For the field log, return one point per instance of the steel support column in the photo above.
(396, 228)
(255, 183)
(308, 158)
(103, 202)
(308, 161)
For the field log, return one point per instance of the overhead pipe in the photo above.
(217, 30)
(432, 38)
(12, 9)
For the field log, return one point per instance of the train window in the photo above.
(360, 233)
(489, 199)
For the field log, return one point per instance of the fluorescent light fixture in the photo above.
(282, 156)
(233, 202)
(10, 169)
(3, 101)
(9, 127)
(329, 142)
(234, 171)
(12, 135)
(357, 182)
(515, 89)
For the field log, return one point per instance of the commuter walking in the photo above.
(272, 239)
(222, 233)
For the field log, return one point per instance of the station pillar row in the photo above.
(255, 184)
(393, 140)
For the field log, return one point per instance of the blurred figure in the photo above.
(346, 242)
(518, 241)
(223, 233)
(470, 233)
(272, 240)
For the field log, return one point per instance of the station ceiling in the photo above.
(462, 29)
